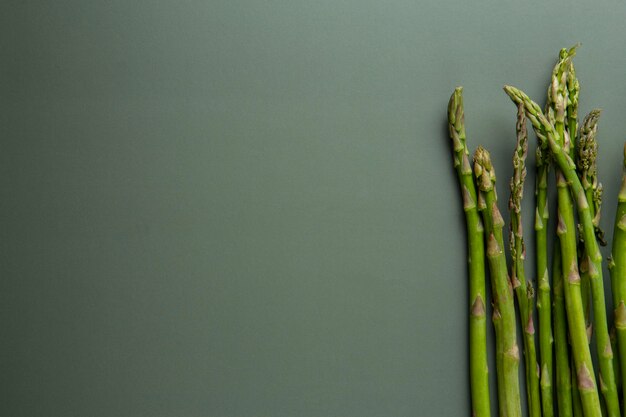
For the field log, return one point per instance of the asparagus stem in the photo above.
(533, 369)
(577, 406)
(523, 290)
(618, 276)
(563, 375)
(587, 172)
(582, 358)
(572, 89)
(543, 297)
(496, 318)
(479, 381)
(616, 358)
(497, 324)
(573, 300)
(501, 285)
(559, 111)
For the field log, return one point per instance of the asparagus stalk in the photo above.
(497, 325)
(616, 358)
(563, 375)
(587, 172)
(557, 99)
(618, 276)
(573, 300)
(544, 304)
(559, 108)
(501, 285)
(577, 406)
(582, 357)
(566, 128)
(523, 289)
(476, 260)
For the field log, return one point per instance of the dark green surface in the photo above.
(247, 208)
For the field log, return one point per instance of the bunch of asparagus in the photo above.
(562, 374)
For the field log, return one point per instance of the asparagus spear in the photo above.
(501, 285)
(587, 172)
(523, 289)
(563, 376)
(476, 260)
(544, 304)
(557, 98)
(618, 275)
(577, 406)
(559, 108)
(582, 357)
(569, 90)
(573, 300)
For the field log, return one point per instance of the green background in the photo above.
(247, 208)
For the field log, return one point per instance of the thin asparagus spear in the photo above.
(523, 291)
(582, 357)
(586, 156)
(557, 97)
(544, 304)
(618, 276)
(573, 300)
(476, 262)
(587, 172)
(563, 375)
(501, 285)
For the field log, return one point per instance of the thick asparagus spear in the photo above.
(563, 375)
(558, 109)
(476, 261)
(523, 289)
(565, 89)
(501, 285)
(582, 357)
(618, 276)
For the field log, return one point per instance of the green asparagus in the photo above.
(501, 285)
(476, 260)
